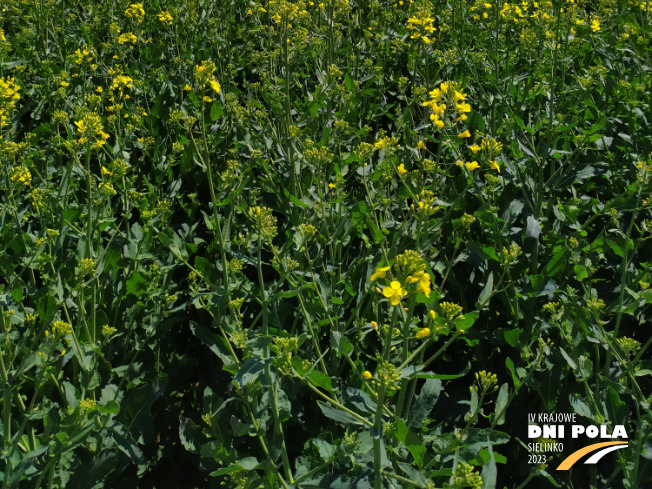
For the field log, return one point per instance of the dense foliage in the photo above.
(348, 244)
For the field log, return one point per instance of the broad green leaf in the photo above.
(485, 295)
(248, 463)
(338, 415)
(501, 404)
(251, 370)
(412, 441)
(425, 402)
(512, 336)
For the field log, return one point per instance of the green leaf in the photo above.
(216, 111)
(136, 284)
(413, 474)
(338, 415)
(128, 446)
(320, 379)
(412, 441)
(431, 375)
(213, 341)
(489, 471)
(360, 400)
(251, 370)
(465, 321)
(510, 367)
(501, 404)
(191, 435)
(485, 295)
(325, 449)
(248, 463)
(568, 359)
(580, 407)
(511, 214)
(511, 336)
(425, 402)
(341, 344)
(135, 410)
(580, 272)
(615, 247)
(110, 407)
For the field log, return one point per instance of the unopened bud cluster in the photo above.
(387, 377)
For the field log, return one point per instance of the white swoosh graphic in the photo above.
(601, 453)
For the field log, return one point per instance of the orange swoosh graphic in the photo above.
(575, 456)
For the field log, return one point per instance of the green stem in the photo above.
(378, 427)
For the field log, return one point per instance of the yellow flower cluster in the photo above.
(422, 27)
(2, 35)
(60, 328)
(386, 142)
(425, 203)
(81, 55)
(135, 11)
(409, 268)
(448, 94)
(87, 405)
(422, 279)
(284, 12)
(165, 17)
(120, 83)
(8, 96)
(127, 38)
(264, 222)
(90, 128)
(204, 76)
(21, 175)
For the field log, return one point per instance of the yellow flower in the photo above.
(187, 88)
(206, 98)
(215, 86)
(367, 374)
(424, 284)
(380, 273)
(331, 185)
(465, 134)
(394, 292)
(135, 10)
(401, 169)
(421, 145)
(475, 148)
(165, 17)
(126, 38)
(21, 175)
(595, 25)
(472, 166)
(494, 166)
(422, 333)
